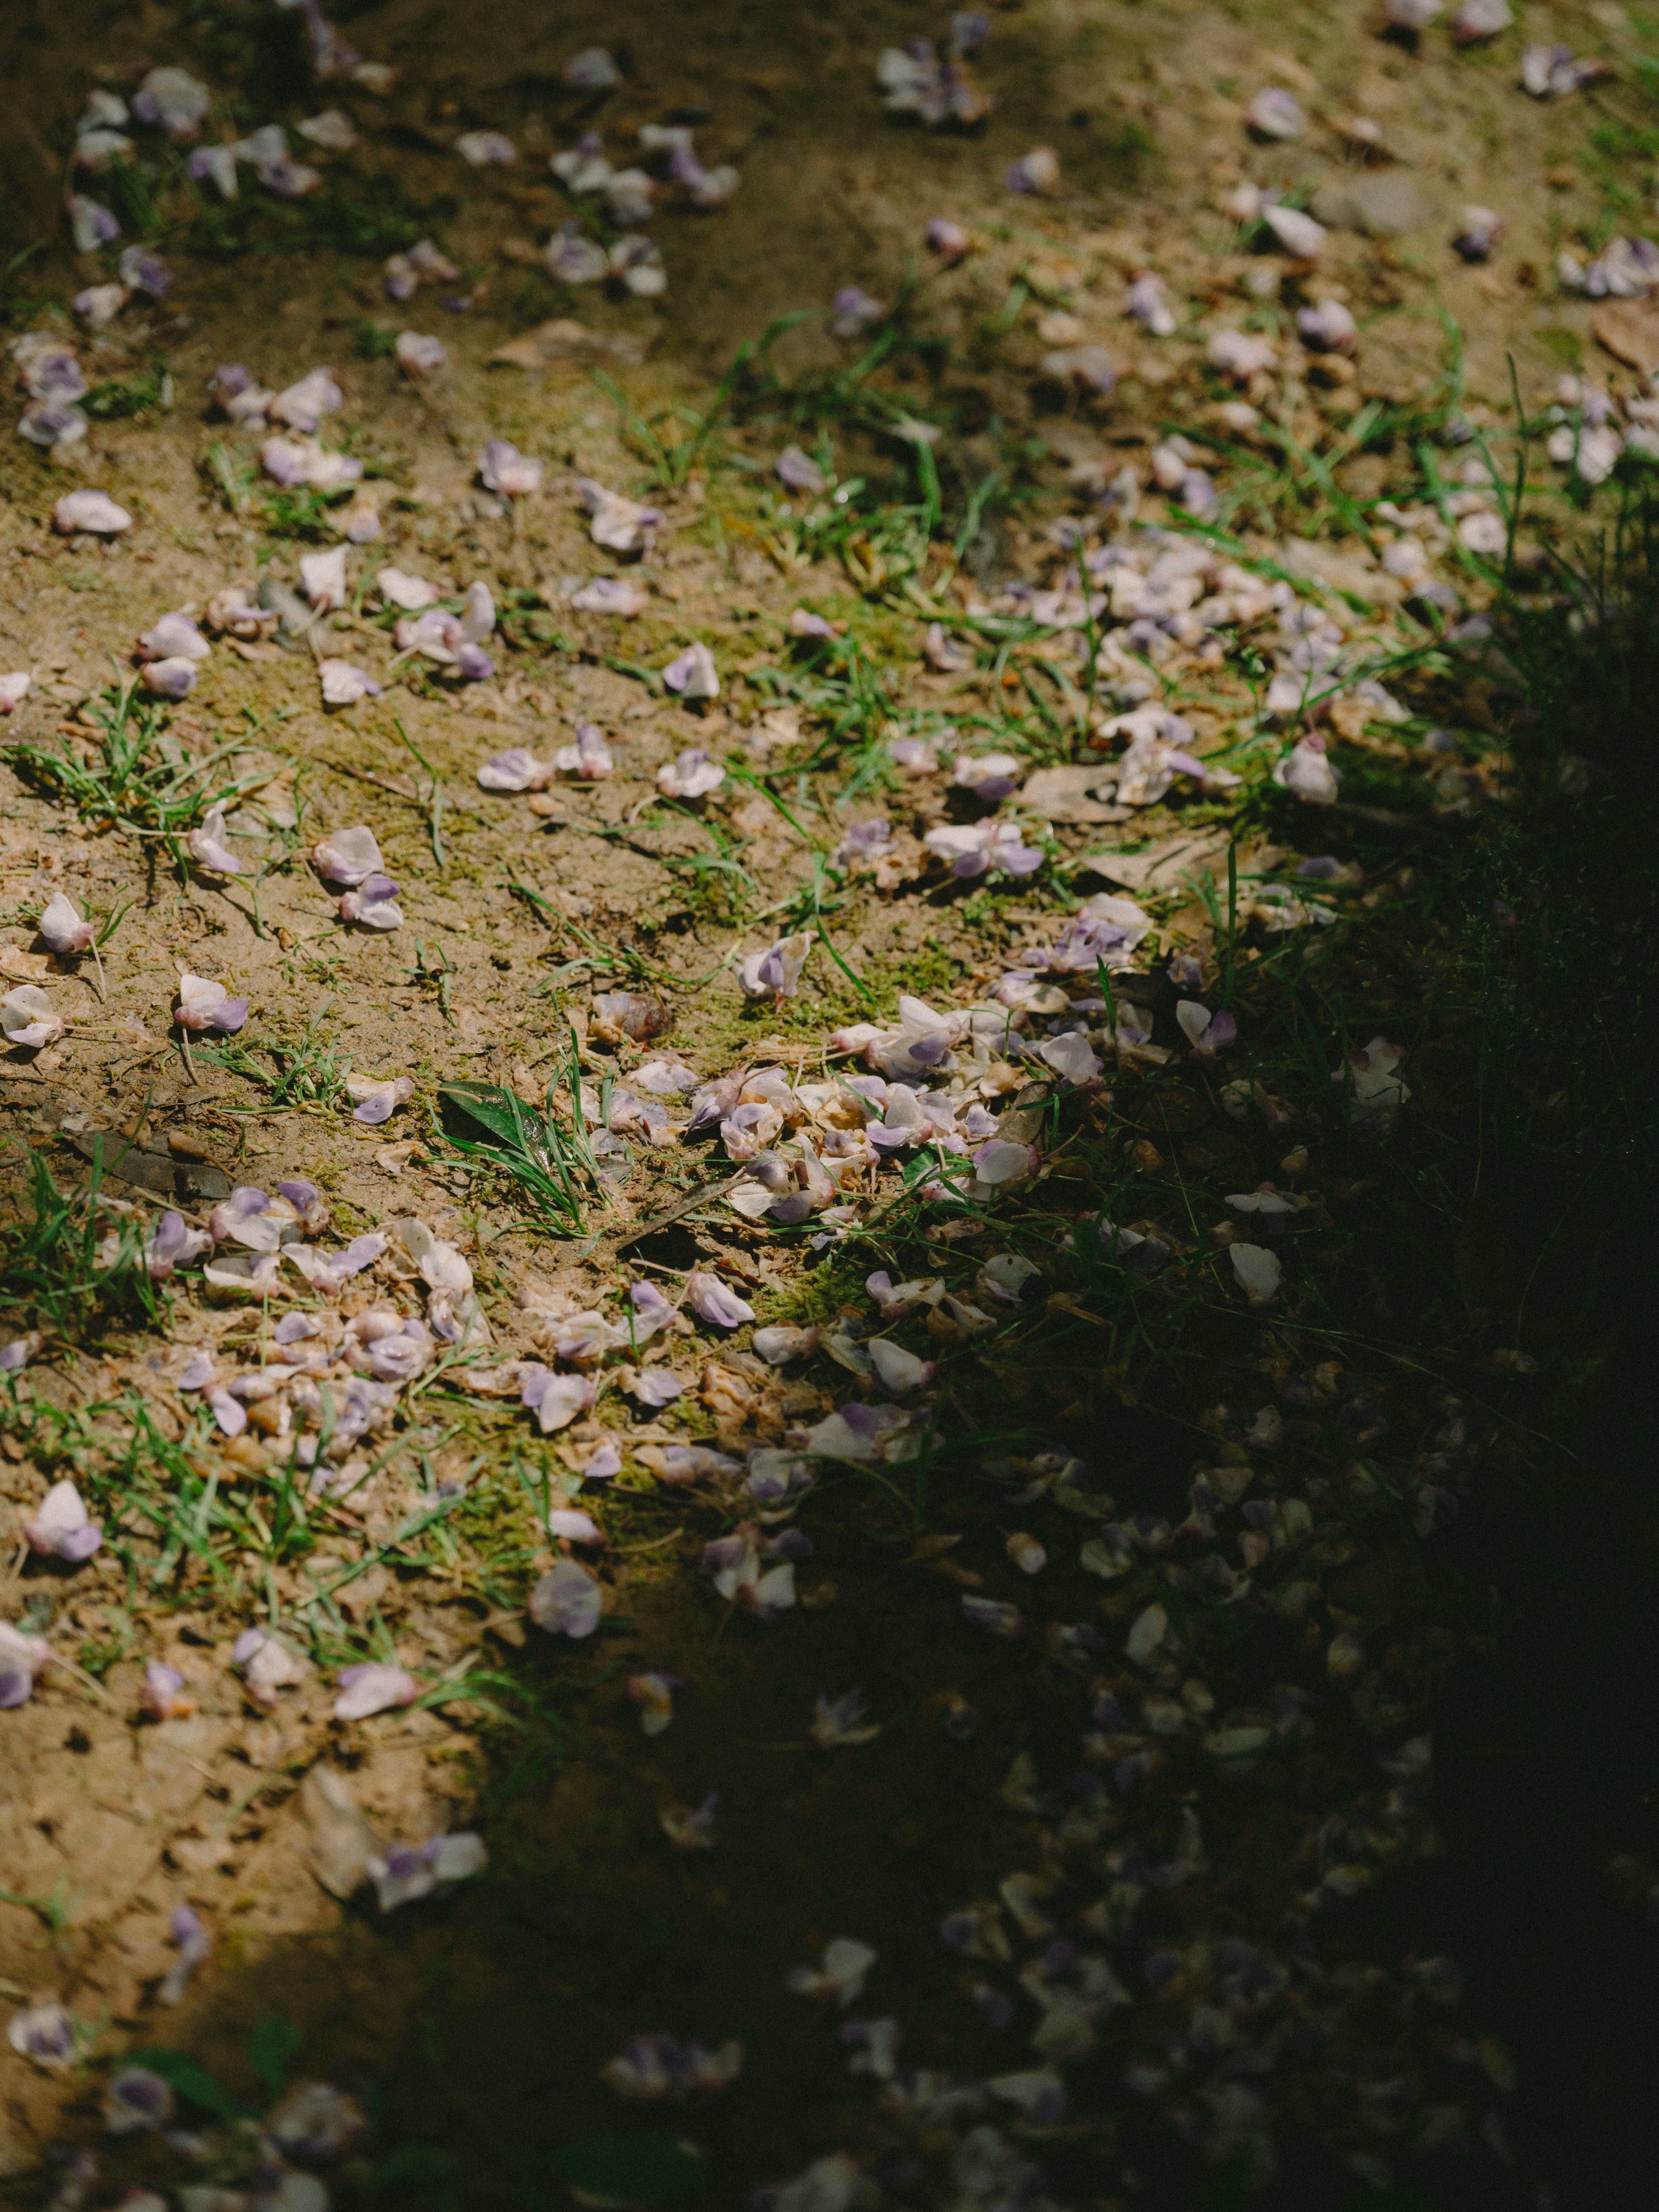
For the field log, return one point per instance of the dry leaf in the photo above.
(550, 344)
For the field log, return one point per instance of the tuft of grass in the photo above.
(138, 778)
(70, 1266)
(308, 1075)
(548, 1159)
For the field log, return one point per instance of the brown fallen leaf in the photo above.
(1629, 332)
(550, 345)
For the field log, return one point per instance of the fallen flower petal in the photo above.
(62, 1528)
(841, 1976)
(94, 511)
(344, 683)
(712, 1301)
(206, 843)
(374, 904)
(26, 1015)
(373, 1687)
(1258, 1270)
(693, 675)
(63, 928)
(568, 1601)
(204, 1004)
(1275, 114)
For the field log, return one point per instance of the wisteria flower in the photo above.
(172, 100)
(172, 1245)
(1308, 772)
(1298, 233)
(516, 770)
(947, 239)
(174, 679)
(44, 2032)
(17, 1353)
(28, 1018)
(840, 1721)
(53, 423)
(654, 1696)
(99, 305)
(63, 928)
(1258, 1272)
(991, 1616)
(378, 1097)
(486, 149)
(14, 689)
(1327, 327)
(503, 468)
(841, 1976)
(1145, 302)
(373, 1687)
(800, 471)
(347, 856)
(135, 2100)
(268, 1665)
(775, 973)
(62, 1528)
(333, 131)
(622, 524)
(303, 406)
(1037, 171)
(593, 69)
(589, 758)
(572, 257)
(373, 904)
(693, 674)
(159, 1697)
(1273, 114)
(611, 595)
(854, 311)
(92, 511)
(1240, 355)
(1208, 1034)
(323, 579)
(1480, 19)
(174, 637)
(411, 593)
(693, 775)
(93, 224)
(1481, 228)
(712, 1301)
(652, 2068)
(568, 1601)
(1071, 1057)
(204, 1004)
(344, 683)
(206, 843)
(22, 1658)
(419, 356)
(407, 1872)
(555, 1400)
(1378, 1089)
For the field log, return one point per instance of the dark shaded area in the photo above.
(1548, 1749)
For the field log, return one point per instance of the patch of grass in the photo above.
(309, 1074)
(120, 397)
(138, 778)
(71, 1267)
(548, 1157)
(359, 211)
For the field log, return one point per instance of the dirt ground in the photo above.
(478, 2021)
